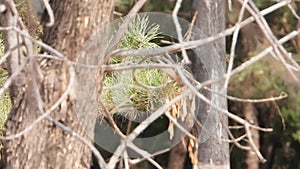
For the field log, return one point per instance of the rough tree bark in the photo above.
(210, 63)
(46, 145)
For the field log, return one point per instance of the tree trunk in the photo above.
(47, 145)
(178, 155)
(210, 63)
(252, 161)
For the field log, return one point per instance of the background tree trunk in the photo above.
(178, 155)
(46, 145)
(210, 64)
(251, 160)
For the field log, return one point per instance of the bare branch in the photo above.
(178, 30)
(233, 44)
(196, 43)
(280, 97)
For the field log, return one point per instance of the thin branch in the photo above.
(280, 114)
(293, 11)
(252, 144)
(39, 43)
(236, 127)
(138, 160)
(144, 154)
(195, 43)
(270, 99)
(235, 141)
(8, 53)
(111, 120)
(50, 13)
(175, 122)
(233, 44)
(277, 47)
(186, 59)
(252, 60)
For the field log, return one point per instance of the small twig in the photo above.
(111, 120)
(138, 160)
(236, 127)
(8, 53)
(189, 32)
(122, 67)
(235, 141)
(280, 114)
(270, 99)
(261, 129)
(50, 13)
(39, 43)
(293, 11)
(233, 44)
(144, 154)
(252, 144)
(229, 5)
(186, 59)
(174, 121)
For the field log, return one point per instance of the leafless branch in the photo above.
(50, 13)
(280, 97)
(233, 44)
(195, 43)
(178, 30)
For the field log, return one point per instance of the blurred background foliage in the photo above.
(5, 103)
(263, 79)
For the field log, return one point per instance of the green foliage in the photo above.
(2, 47)
(142, 89)
(139, 34)
(292, 117)
(296, 136)
(258, 80)
(5, 103)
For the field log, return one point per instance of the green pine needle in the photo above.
(121, 90)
